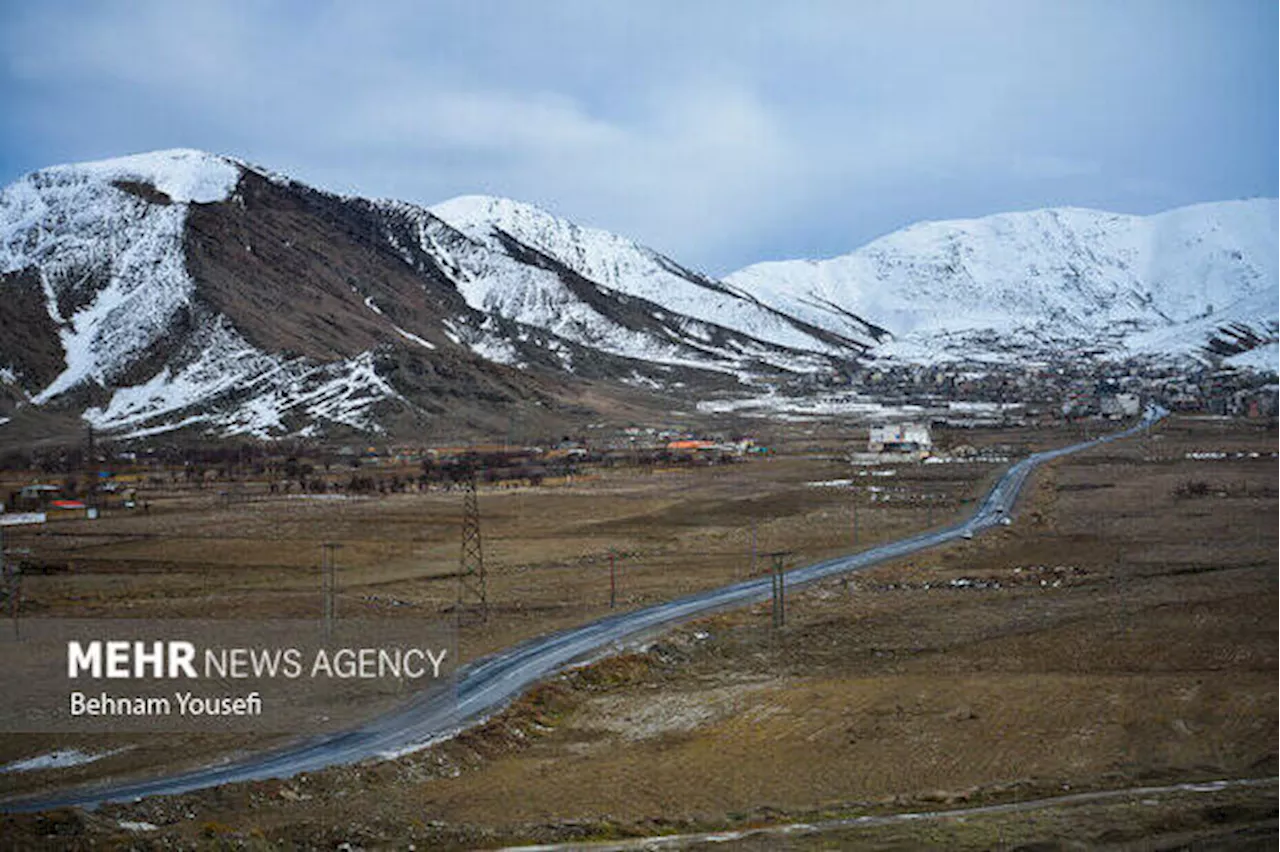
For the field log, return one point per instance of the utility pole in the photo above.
(778, 580)
(10, 585)
(13, 582)
(471, 578)
(328, 585)
(854, 503)
(91, 472)
(11, 574)
(753, 548)
(613, 582)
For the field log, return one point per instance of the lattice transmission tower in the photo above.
(471, 580)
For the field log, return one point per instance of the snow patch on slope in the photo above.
(1265, 358)
(223, 362)
(84, 235)
(413, 338)
(58, 759)
(232, 388)
(113, 262)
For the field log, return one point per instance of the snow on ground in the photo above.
(493, 282)
(961, 406)
(1266, 357)
(58, 759)
(223, 362)
(146, 280)
(17, 519)
(1058, 272)
(115, 263)
(966, 460)
(626, 267)
(184, 175)
(259, 390)
(422, 745)
(848, 404)
(116, 257)
(120, 260)
(1219, 455)
(409, 335)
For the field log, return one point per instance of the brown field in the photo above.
(196, 554)
(1122, 633)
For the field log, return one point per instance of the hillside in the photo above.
(180, 290)
(1184, 282)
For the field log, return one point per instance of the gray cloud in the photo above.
(719, 132)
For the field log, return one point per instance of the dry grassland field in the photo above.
(1122, 633)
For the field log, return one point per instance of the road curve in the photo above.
(487, 684)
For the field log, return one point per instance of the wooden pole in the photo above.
(328, 586)
(10, 574)
(753, 547)
(778, 585)
(855, 518)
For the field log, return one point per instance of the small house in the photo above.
(900, 438)
(1120, 405)
(35, 497)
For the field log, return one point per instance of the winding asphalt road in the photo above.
(487, 684)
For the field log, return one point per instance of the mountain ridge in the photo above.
(175, 296)
(179, 289)
(915, 281)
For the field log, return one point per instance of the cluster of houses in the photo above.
(1225, 395)
(632, 444)
(1034, 391)
(38, 502)
(358, 469)
(629, 450)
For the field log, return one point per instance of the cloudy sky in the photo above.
(719, 132)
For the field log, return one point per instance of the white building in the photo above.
(900, 438)
(1121, 405)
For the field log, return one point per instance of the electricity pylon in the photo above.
(471, 579)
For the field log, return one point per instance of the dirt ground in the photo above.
(196, 554)
(1121, 633)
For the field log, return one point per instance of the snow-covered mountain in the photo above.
(534, 293)
(94, 265)
(180, 288)
(1189, 281)
(628, 268)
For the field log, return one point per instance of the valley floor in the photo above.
(1121, 634)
